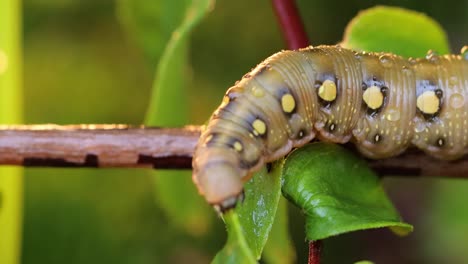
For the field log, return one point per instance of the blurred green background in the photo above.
(82, 64)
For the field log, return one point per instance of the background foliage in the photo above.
(82, 64)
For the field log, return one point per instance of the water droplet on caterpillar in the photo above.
(419, 127)
(412, 61)
(432, 56)
(386, 61)
(393, 114)
(456, 101)
(257, 91)
(453, 81)
(464, 52)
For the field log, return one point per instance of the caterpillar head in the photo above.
(218, 176)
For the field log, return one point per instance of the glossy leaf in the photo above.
(397, 30)
(168, 107)
(337, 192)
(250, 223)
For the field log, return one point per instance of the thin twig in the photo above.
(162, 148)
(315, 248)
(97, 146)
(290, 23)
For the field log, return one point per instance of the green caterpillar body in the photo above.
(381, 102)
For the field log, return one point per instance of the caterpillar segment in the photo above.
(381, 102)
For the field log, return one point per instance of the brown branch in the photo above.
(290, 23)
(97, 146)
(163, 148)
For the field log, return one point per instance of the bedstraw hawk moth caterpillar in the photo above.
(381, 102)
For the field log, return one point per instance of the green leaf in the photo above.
(337, 192)
(11, 179)
(168, 106)
(250, 223)
(236, 249)
(151, 23)
(397, 30)
(279, 248)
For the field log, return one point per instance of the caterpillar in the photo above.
(381, 102)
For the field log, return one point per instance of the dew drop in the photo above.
(393, 114)
(412, 61)
(456, 100)
(419, 127)
(453, 81)
(257, 91)
(386, 61)
(432, 56)
(464, 52)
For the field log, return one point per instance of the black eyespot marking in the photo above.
(377, 138)
(332, 127)
(364, 86)
(301, 134)
(384, 90)
(440, 142)
(317, 84)
(439, 93)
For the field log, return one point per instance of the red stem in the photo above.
(315, 248)
(291, 23)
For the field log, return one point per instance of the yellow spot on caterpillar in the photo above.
(327, 91)
(288, 103)
(259, 127)
(428, 103)
(238, 146)
(373, 97)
